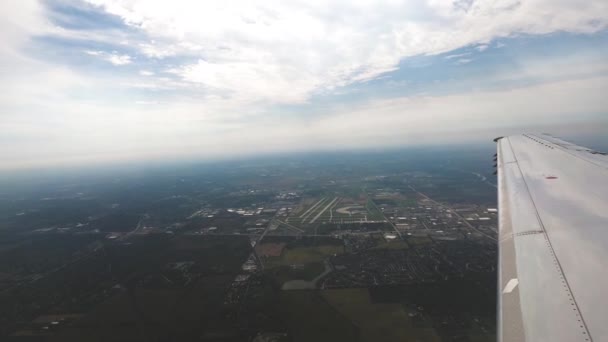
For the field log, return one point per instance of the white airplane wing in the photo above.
(553, 240)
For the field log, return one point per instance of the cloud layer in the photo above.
(103, 80)
(256, 52)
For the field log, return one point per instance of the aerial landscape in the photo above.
(324, 247)
(303, 171)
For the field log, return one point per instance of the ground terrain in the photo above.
(390, 246)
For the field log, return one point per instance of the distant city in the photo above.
(389, 246)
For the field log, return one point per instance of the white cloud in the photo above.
(210, 129)
(93, 53)
(113, 57)
(251, 51)
(157, 51)
(119, 59)
(414, 117)
(457, 55)
(249, 81)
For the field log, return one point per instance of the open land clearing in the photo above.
(303, 255)
(315, 319)
(303, 262)
(388, 320)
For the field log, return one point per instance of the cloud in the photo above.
(413, 117)
(94, 53)
(212, 79)
(113, 57)
(463, 60)
(457, 55)
(251, 81)
(119, 59)
(154, 50)
(249, 51)
(196, 130)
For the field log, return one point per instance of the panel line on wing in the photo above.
(524, 233)
(567, 150)
(529, 232)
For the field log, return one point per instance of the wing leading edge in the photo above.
(553, 240)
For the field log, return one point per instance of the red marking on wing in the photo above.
(550, 177)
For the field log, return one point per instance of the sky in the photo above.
(102, 81)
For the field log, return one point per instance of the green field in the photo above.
(396, 244)
(303, 255)
(347, 315)
(309, 317)
(419, 240)
(400, 202)
(300, 263)
(307, 272)
(375, 214)
(377, 321)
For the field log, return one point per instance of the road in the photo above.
(290, 226)
(385, 218)
(139, 226)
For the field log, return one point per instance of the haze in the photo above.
(112, 80)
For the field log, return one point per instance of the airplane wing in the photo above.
(553, 240)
